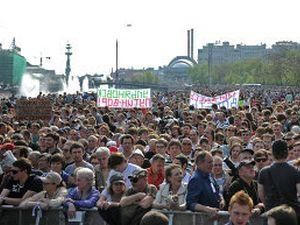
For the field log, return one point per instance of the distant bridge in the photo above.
(182, 59)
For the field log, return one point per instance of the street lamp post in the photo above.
(117, 59)
(117, 62)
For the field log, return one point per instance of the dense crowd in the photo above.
(172, 156)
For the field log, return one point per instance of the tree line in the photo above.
(281, 68)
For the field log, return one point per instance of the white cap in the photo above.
(295, 129)
(111, 143)
(138, 152)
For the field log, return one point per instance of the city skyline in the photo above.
(150, 34)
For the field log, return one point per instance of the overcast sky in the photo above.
(157, 34)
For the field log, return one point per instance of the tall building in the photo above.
(219, 54)
(285, 45)
(12, 67)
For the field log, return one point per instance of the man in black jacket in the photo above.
(279, 183)
(246, 183)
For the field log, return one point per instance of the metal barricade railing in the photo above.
(199, 218)
(17, 216)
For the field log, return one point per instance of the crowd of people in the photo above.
(171, 156)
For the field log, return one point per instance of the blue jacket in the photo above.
(89, 202)
(202, 190)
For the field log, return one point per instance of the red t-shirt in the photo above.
(155, 179)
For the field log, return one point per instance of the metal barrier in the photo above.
(17, 216)
(10, 215)
(197, 218)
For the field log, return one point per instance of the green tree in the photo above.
(199, 74)
(279, 68)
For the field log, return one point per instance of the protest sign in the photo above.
(7, 161)
(33, 109)
(228, 100)
(124, 98)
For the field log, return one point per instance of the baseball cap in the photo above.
(117, 178)
(245, 163)
(248, 150)
(111, 143)
(52, 177)
(137, 174)
(7, 146)
(138, 152)
(113, 149)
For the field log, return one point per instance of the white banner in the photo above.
(124, 98)
(229, 100)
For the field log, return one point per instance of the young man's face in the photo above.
(277, 130)
(193, 135)
(174, 150)
(247, 171)
(127, 144)
(158, 166)
(77, 154)
(160, 148)
(17, 173)
(49, 142)
(186, 146)
(239, 214)
(186, 130)
(246, 136)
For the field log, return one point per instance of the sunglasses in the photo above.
(261, 160)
